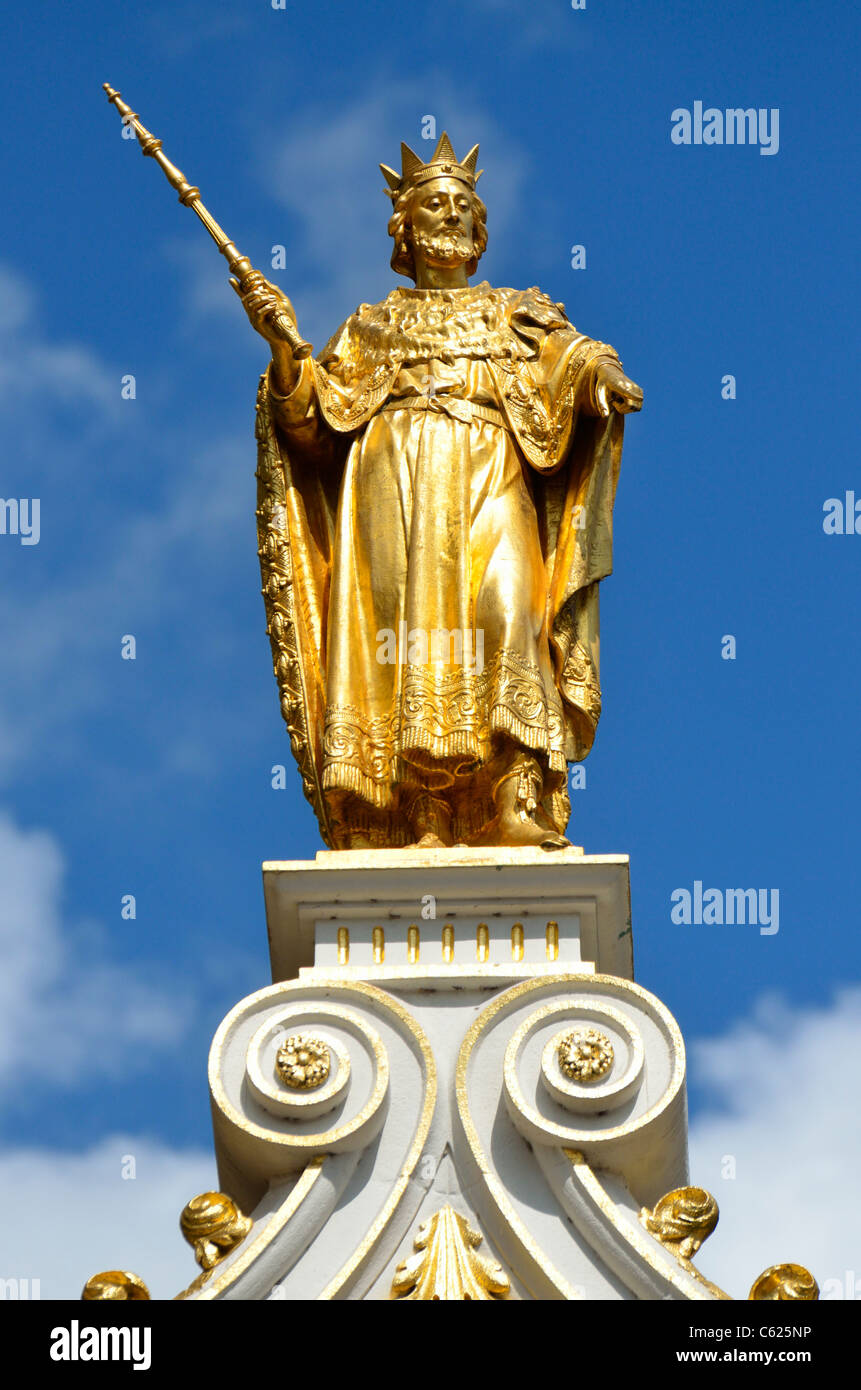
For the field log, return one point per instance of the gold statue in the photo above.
(434, 516)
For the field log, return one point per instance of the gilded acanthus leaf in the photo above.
(447, 1265)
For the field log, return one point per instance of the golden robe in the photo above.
(435, 515)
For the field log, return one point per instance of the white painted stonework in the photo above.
(442, 983)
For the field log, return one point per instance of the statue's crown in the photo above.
(443, 162)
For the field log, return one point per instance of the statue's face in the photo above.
(442, 223)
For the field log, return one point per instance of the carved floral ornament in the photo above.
(303, 1062)
(586, 1054)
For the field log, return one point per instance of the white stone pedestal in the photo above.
(459, 1145)
(573, 912)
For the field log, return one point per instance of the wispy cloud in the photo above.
(62, 628)
(184, 29)
(548, 21)
(34, 368)
(206, 288)
(74, 1215)
(325, 175)
(787, 1125)
(69, 1015)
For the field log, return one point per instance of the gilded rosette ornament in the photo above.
(302, 1062)
(586, 1054)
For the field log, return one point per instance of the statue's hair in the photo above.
(400, 227)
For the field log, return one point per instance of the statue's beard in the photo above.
(449, 249)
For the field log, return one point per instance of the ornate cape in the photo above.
(543, 373)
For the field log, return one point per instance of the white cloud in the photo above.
(185, 29)
(786, 1083)
(206, 289)
(325, 172)
(532, 25)
(64, 627)
(68, 1216)
(67, 1017)
(28, 362)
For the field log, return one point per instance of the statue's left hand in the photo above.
(615, 391)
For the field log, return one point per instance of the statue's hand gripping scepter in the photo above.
(246, 280)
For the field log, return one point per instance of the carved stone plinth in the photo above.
(453, 1089)
(492, 915)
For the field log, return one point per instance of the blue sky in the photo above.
(152, 777)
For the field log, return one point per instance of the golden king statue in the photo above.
(435, 516)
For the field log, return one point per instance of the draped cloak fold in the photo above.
(441, 464)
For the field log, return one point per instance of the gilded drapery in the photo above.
(440, 469)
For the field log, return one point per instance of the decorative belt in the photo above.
(465, 411)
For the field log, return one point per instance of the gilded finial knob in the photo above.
(785, 1283)
(117, 1285)
(213, 1224)
(682, 1220)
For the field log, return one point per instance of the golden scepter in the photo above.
(189, 196)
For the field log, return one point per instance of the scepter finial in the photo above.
(189, 196)
(114, 96)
